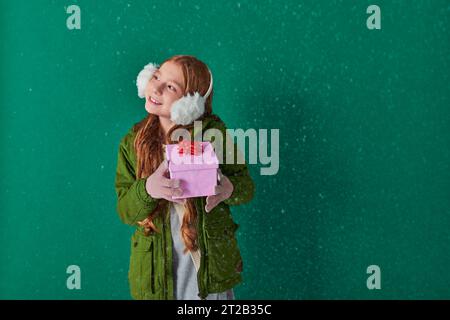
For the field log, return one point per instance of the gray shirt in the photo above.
(184, 272)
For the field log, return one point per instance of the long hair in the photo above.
(149, 146)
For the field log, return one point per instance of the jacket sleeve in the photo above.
(133, 202)
(238, 173)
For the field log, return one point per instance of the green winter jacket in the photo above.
(150, 272)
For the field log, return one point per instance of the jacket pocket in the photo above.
(223, 257)
(141, 275)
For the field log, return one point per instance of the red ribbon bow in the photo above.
(190, 147)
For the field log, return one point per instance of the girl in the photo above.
(181, 249)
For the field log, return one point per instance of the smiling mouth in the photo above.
(154, 101)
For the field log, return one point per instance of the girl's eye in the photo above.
(171, 88)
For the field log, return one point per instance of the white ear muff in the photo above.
(144, 77)
(189, 108)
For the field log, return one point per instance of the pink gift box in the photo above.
(196, 170)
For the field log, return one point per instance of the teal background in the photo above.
(364, 140)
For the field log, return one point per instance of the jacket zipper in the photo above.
(152, 284)
(202, 271)
(164, 259)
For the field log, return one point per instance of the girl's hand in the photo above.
(223, 191)
(159, 186)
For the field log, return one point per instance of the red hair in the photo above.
(149, 146)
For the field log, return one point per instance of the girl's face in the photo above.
(164, 88)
